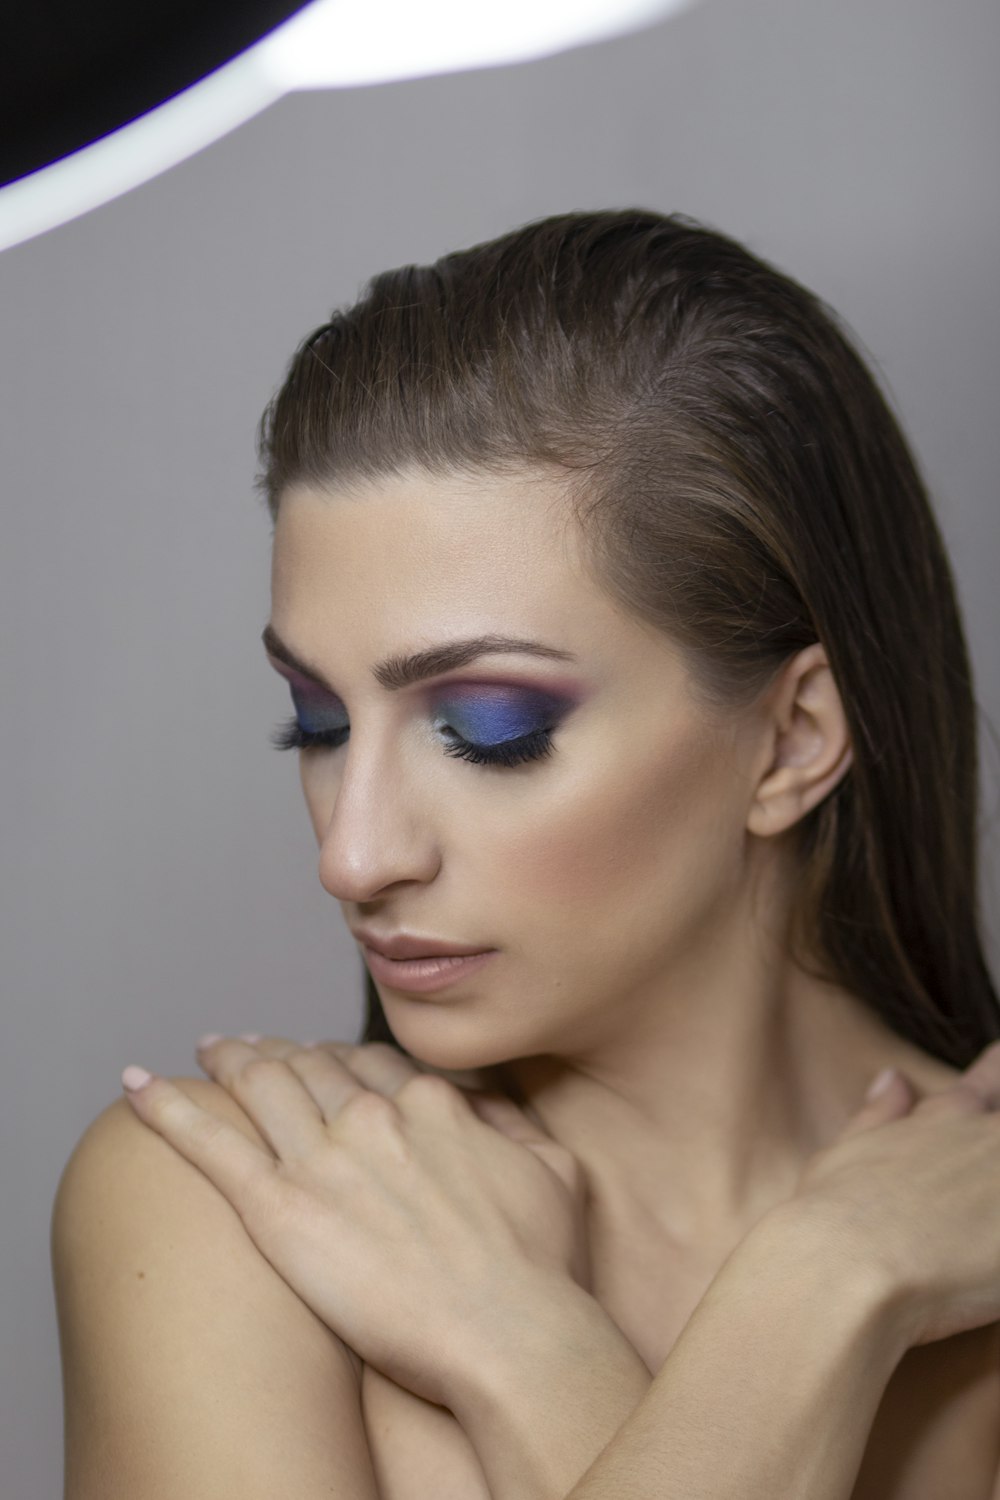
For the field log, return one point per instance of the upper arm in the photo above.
(189, 1366)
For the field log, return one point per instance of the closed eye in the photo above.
(534, 746)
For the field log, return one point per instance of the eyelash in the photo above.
(291, 736)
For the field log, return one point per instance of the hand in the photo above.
(418, 1222)
(913, 1183)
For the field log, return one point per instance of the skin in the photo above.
(636, 882)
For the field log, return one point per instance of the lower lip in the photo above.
(422, 975)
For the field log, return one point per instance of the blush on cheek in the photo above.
(635, 858)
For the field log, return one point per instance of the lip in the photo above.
(421, 976)
(406, 945)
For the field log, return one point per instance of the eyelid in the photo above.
(297, 680)
(556, 699)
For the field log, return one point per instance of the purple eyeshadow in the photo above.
(481, 713)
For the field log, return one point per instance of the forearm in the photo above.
(541, 1406)
(770, 1391)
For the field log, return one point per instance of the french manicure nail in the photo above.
(134, 1077)
(209, 1039)
(880, 1083)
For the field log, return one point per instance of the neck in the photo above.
(702, 1117)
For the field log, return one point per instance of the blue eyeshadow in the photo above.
(313, 710)
(482, 714)
(488, 716)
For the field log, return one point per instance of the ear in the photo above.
(808, 744)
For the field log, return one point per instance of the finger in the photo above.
(264, 1046)
(957, 1098)
(503, 1114)
(237, 1166)
(983, 1075)
(975, 1090)
(895, 1099)
(271, 1046)
(270, 1092)
(205, 1048)
(378, 1066)
(328, 1080)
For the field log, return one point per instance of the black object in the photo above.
(72, 73)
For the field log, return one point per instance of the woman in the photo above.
(603, 542)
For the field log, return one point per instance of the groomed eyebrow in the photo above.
(401, 671)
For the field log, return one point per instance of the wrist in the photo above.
(541, 1401)
(801, 1240)
(546, 1328)
(772, 1387)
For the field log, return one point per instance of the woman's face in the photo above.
(604, 871)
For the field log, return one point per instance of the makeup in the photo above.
(487, 723)
(423, 976)
(490, 713)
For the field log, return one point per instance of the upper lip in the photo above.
(405, 945)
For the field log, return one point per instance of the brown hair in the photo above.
(742, 484)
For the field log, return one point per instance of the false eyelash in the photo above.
(291, 736)
(531, 746)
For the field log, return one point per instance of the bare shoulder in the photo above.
(189, 1365)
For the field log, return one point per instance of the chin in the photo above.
(434, 1035)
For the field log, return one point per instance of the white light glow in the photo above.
(328, 44)
(332, 44)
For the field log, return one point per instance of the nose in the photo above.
(377, 835)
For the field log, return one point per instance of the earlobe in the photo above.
(788, 793)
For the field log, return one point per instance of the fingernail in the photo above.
(250, 1036)
(134, 1077)
(209, 1039)
(879, 1084)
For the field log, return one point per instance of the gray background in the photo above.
(159, 870)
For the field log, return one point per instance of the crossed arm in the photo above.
(770, 1391)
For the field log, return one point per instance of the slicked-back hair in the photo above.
(741, 483)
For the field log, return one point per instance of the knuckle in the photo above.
(429, 1088)
(260, 1067)
(562, 1160)
(303, 1056)
(210, 1127)
(378, 1050)
(571, 1164)
(369, 1110)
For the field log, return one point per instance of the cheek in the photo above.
(319, 778)
(645, 849)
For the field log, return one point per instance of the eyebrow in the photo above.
(401, 671)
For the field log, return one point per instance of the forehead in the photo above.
(416, 558)
(420, 536)
(422, 551)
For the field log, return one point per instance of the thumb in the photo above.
(890, 1095)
